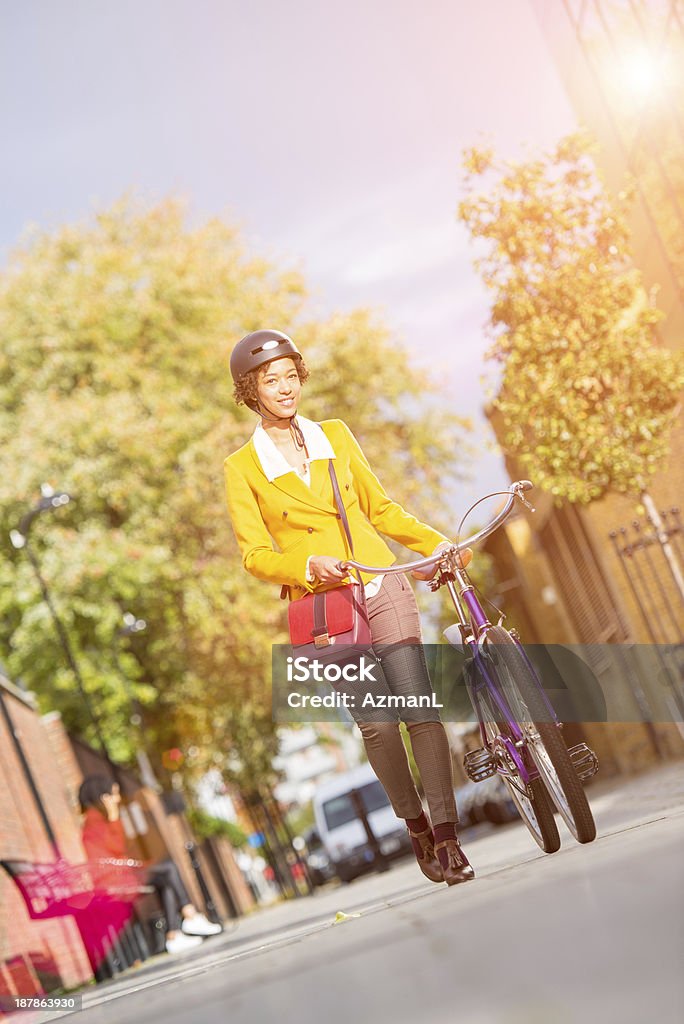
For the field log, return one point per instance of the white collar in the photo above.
(274, 463)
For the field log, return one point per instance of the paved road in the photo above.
(590, 934)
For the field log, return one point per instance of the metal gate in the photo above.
(641, 552)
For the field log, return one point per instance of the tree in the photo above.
(114, 386)
(587, 396)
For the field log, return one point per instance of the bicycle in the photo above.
(520, 732)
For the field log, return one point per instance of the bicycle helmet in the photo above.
(258, 348)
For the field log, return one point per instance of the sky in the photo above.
(331, 133)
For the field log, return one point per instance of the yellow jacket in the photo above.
(279, 524)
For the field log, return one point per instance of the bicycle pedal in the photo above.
(584, 760)
(479, 765)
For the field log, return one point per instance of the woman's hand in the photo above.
(463, 559)
(325, 569)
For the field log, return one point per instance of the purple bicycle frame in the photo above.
(473, 626)
(483, 678)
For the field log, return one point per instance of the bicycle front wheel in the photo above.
(531, 800)
(543, 738)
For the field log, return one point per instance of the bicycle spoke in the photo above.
(530, 799)
(544, 741)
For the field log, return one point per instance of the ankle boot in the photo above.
(424, 849)
(453, 861)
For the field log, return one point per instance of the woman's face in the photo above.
(278, 387)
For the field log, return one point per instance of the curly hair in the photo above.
(245, 388)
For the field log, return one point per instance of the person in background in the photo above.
(104, 839)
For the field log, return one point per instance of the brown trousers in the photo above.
(397, 638)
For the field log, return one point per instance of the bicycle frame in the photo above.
(473, 625)
(484, 680)
(538, 768)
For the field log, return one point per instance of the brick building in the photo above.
(562, 577)
(41, 770)
(622, 66)
(35, 956)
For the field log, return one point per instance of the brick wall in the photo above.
(65, 764)
(40, 956)
(35, 951)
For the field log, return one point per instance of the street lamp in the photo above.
(49, 501)
(132, 625)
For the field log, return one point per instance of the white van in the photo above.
(342, 832)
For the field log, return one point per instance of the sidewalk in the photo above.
(618, 804)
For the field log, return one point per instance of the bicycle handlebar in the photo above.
(515, 490)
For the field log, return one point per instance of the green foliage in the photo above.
(205, 825)
(587, 395)
(114, 386)
(300, 819)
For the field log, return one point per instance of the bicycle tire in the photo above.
(536, 810)
(544, 740)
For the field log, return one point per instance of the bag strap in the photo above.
(338, 500)
(340, 504)
(345, 522)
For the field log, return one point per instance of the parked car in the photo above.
(485, 801)
(342, 832)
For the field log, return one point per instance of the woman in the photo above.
(104, 839)
(279, 490)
